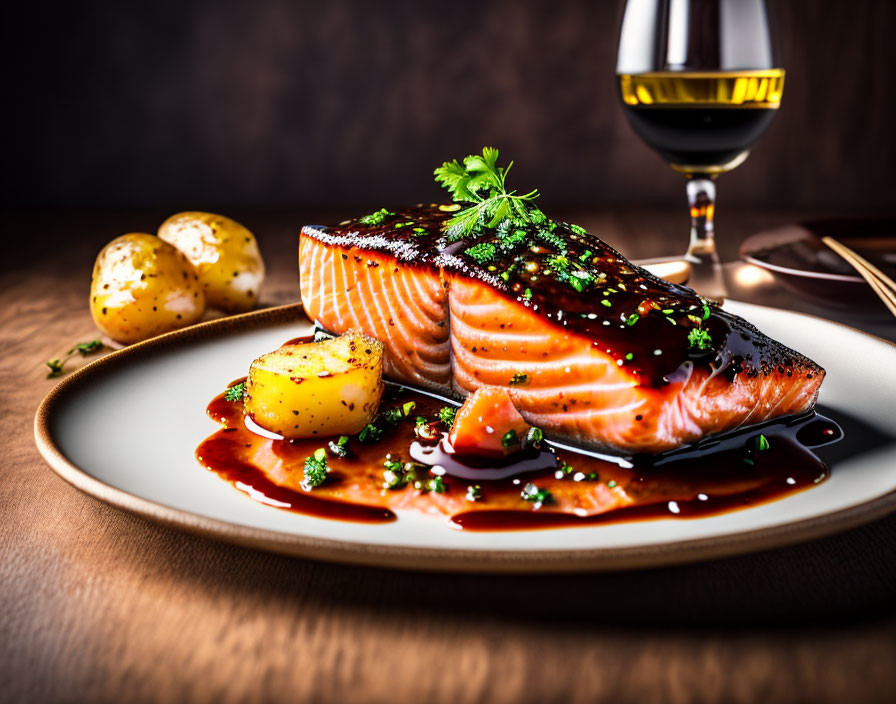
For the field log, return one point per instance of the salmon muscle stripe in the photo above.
(628, 363)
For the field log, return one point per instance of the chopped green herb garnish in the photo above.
(511, 240)
(566, 272)
(667, 311)
(538, 497)
(630, 356)
(398, 475)
(392, 416)
(578, 229)
(406, 408)
(548, 237)
(235, 392)
(376, 218)
(55, 366)
(632, 319)
(437, 484)
(762, 443)
(605, 302)
(510, 439)
(519, 379)
(447, 414)
(611, 484)
(527, 294)
(370, 433)
(482, 252)
(538, 217)
(559, 263)
(706, 311)
(315, 470)
(393, 476)
(700, 339)
(534, 437)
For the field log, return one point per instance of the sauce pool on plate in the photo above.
(409, 468)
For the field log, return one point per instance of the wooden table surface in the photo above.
(101, 606)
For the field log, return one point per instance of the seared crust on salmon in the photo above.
(631, 364)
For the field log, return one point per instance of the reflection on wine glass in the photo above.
(699, 83)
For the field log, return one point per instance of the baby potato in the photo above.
(322, 388)
(142, 286)
(224, 253)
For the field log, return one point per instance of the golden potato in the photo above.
(224, 253)
(322, 388)
(142, 287)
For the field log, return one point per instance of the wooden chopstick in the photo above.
(880, 283)
(868, 265)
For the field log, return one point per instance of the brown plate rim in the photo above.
(403, 557)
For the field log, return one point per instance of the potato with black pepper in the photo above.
(331, 387)
(141, 287)
(224, 253)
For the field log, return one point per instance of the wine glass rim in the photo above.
(711, 73)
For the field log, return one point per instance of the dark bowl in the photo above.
(802, 263)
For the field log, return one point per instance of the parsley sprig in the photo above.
(82, 348)
(481, 183)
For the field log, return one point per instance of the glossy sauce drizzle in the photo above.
(719, 475)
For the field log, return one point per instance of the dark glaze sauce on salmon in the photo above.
(722, 474)
(643, 322)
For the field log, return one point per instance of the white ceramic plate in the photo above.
(124, 429)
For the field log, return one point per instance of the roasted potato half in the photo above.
(224, 253)
(332, 387)
(142, 286)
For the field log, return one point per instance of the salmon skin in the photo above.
(629, 364)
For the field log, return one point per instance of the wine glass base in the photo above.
(707, 276)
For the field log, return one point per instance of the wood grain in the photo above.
(101, 606)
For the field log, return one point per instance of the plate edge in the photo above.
(417, 558)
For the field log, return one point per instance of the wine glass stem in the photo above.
(706, 270)
(702, 202)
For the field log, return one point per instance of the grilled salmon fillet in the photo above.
(621, 362)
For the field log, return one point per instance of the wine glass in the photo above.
(700, 84)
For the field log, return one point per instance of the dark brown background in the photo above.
(220, 104)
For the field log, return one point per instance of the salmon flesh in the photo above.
(629, 364)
